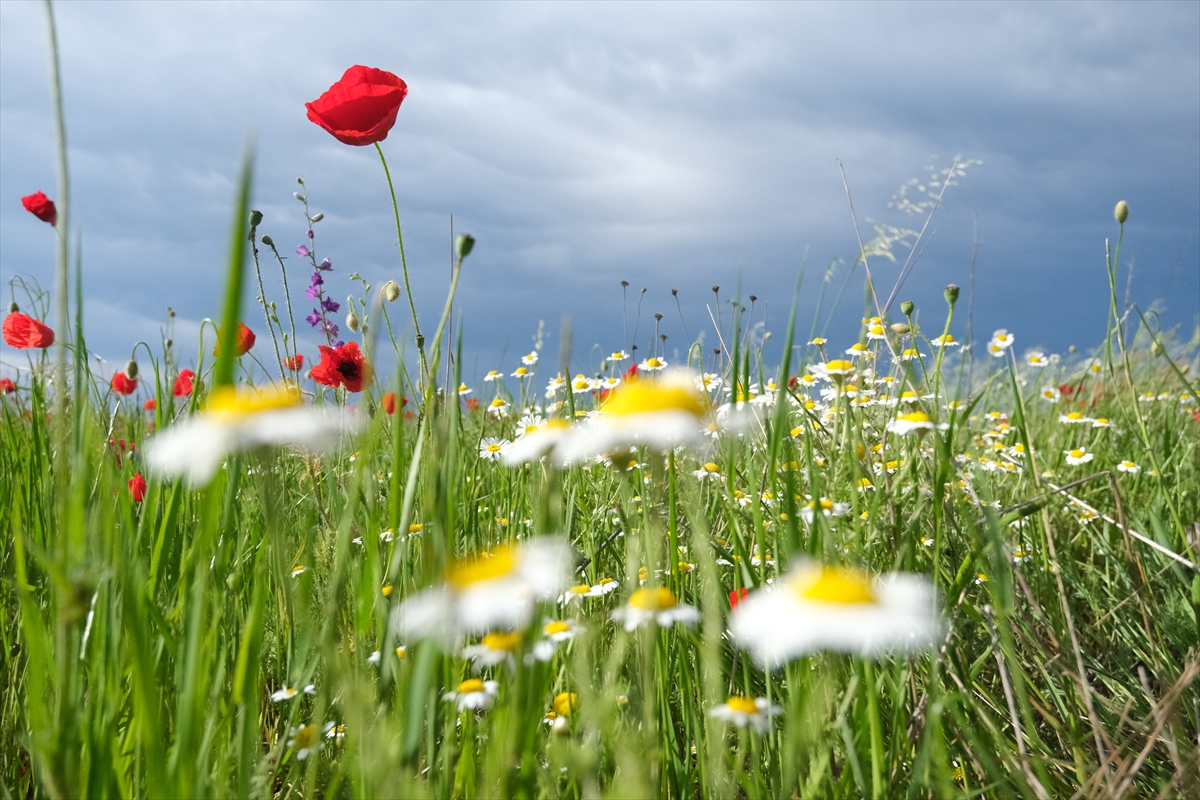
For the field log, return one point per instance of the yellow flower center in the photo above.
(558, 626)
(565, 703)
(401, 653)
(659, 598)
(606, 581)
(639, 397)
(1076, 454)
(498, 403)
(916, 416)
(521, 371)
(1074, 415)
(228, 404)
(306, 736)
(1101, 421)
(492, 373)
(582, 588)
(839, 365)
(642, 573)
(482, 568)
(502, 641)
(470, 686)
(746, 705)
(387, 590)
(416, 527)
(711, 467)
(842, 585)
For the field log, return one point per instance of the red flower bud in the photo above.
(183, 383)
(245, 340)
(343, 366)
(123, 384)
(137, 488)
(389, 402)
(41, 207)
(631, 373)
(23, 332)
(295, 363)
(736, 596)
(6, 386)
(150, 404)
(472, 404)
(361, 107)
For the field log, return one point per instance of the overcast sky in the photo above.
(676, 146)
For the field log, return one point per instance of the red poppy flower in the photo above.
(245, 340)
(22, 332)
(41, 207)
(150, 404)
(6, 386)
(361, 107)
(343, 366)
(123, 384)
(137, 488)
(736, 596)
(295, 363)
(183, 383)
(472, 404)
(389, 403)
(631, 373)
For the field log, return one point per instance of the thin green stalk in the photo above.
(425, 377)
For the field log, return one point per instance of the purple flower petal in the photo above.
(312, 292)
(313, 319)
(325, 265)
(330, 305)
(310, 234)
(302, 251)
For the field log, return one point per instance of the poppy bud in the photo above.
(131, 369)
(907, 307)
(318, 218)
(267, 240)
(352, 321)
(901, 328)
(299, 196)
(13, 308)
(170, 343)
(391, 290)
(255, 219)
(951, 294)
(463, 245)
(1121, 212)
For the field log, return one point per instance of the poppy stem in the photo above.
(404, 265)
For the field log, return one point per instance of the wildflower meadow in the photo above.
(918, 563)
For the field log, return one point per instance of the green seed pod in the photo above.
(391, 290)
(13, 308)
(951, 294)
(318, 218)
(267, 240)
(463, 245)
(131, 369)
(901, 328)
(907, 308)
(1121, 212)
(255, 219)
(352, 321)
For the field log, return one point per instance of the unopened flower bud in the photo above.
(352, 321)
(13, 308)
(1156, 347)
(463, 245)
(255, 219)
(318, 218)
(951, 294)
(1121, 212)
(300, 181)
(267, 240)
(391, 290)
(907, 307)
(131, 369)
(299, 196)
(901, 328)
(170, 343)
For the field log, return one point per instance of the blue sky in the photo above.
(675, 146)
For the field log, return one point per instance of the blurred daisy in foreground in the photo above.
(660, 413)
(748, 712)
(1051, 394)
(1078, 456)
(473, 694)
(657, 604)
(1073, 418)
(918, 422)
(237, 420)
(307, 739)
(536, 439)
(817, 607)
(487, 591)
(1036, 359)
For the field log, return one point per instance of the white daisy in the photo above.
(1129, 466)
(530, 358)
(618, 356)
(917, 422)
(474, 694)
(820, 607)
(306, 740)
(492, 375)
(1078, 456)
(743, 712)
(657, 604)
(492, 448)
(493, 649)
(652, 364)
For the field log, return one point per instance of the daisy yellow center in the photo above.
(1076, 454)
(1074, 415)
(401, 653)
(558, 626)
(647, 396)
(492, 373)
(521, 371)
(416, 527)
(1101, 421)
(916, 416)
(470, 686)
(909, 352)
(1128, 464)
(656, 599)
(746, 705)
(839, 365)
(652, 362)
(227, 403)
(565, 703)
(478, 569)
(494, 448)
(877, 330)
(642, 573)
(530, 429)
(502, 641)
(498, 403)
(606, 581)
(836, 585)
(306, 736)
(711, 467)
(582, 588)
